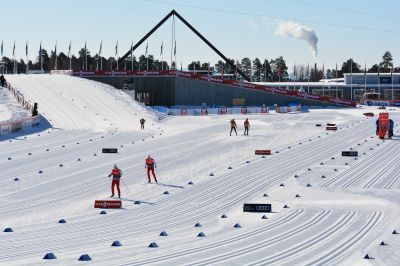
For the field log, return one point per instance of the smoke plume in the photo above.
(295, 30)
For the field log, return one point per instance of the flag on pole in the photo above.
(323, 71)
(69, 48)
(336, 71)
(147, 47)
(175, 49)
(101, 47)
(55, 50)
(1, 47)
(162, 43)
(116, 49)
(26, 48)
(14, 49)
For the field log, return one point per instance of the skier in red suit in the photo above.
(150, 165)
(116, 173)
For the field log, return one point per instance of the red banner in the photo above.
(108, 204)
(263, 152)
(218, 80)
(383, 124)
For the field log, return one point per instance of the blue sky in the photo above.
(238, 28)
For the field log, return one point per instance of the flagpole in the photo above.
(14, 70)
(55, 54)
(337, 95)
(116, 55)
(27, 59)
(391, 77)
(308, 77)
(365, 78)
(294, 77)
(85, 57)
(132, 55)
(351, 78)
(379, 85)
(69, 55)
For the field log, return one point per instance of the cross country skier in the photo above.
(233, 126)
(142, 123)
(246, 126)
(116, 173)
(391, 126)
(150, 164)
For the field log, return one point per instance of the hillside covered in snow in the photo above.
(326, 208)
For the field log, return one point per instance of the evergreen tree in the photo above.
(267, 72)
(257, 70)
(387, 62)
(279, 69)
(246, 66)
(195, 65)
(348, 67)
(374, 69)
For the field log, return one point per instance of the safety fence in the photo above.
(218, 80)
(394, 103)
(12, 126)
(20, 97)
(288, 109)
(211, 111)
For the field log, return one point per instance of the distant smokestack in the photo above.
(295, 30)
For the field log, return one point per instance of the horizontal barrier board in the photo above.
(369, 114)
(349, 153)
(109, 150)
(330, 124)
(263, 152)
(331, 128)
(257, 207)
(108, 204)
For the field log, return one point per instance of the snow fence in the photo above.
(12, 126)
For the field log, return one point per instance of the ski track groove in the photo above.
(241, 186)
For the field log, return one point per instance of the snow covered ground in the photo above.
(347, 209)
(10, 109)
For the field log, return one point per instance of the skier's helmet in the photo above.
(115, 166)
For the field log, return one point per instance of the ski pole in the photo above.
(158, 175)
(126, 187)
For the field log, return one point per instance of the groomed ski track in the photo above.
(335, 221)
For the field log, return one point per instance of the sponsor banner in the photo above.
(109, 150)
(108, 204)
(331, 128)
(218, 80)
(349, 153)
(257, 207)
(381, 103)
(262, 152)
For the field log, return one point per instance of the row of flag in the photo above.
(85, 48)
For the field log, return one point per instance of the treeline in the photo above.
(82, 62)
(276, 69)
(272, 70)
